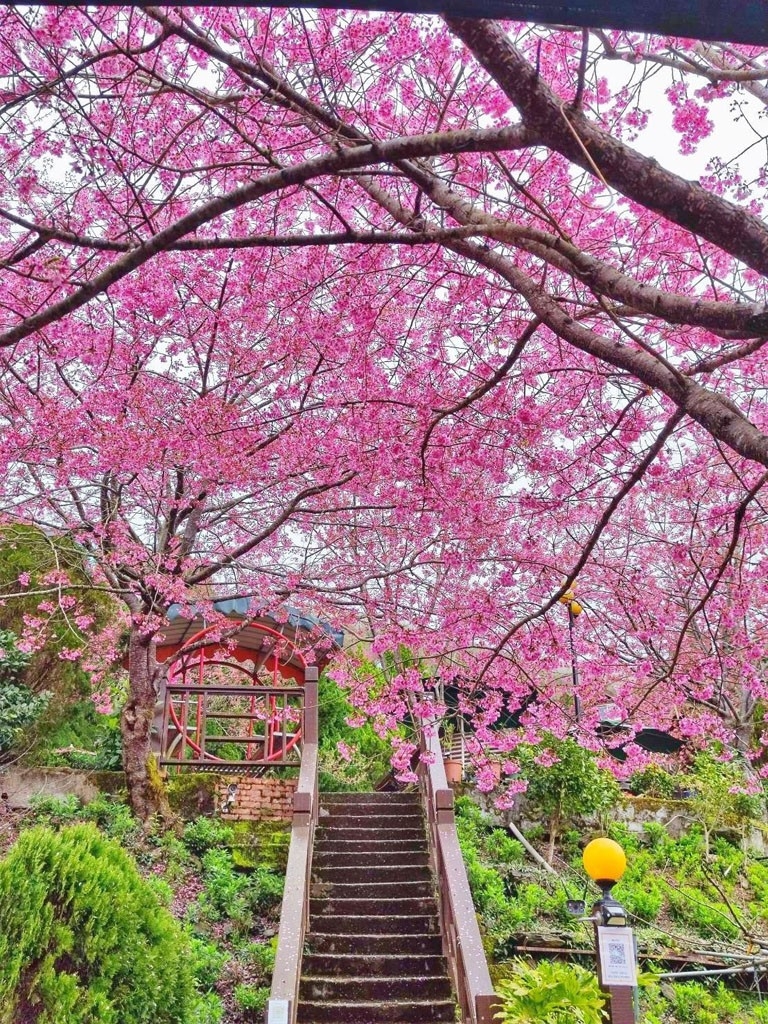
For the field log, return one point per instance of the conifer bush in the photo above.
(83, 939)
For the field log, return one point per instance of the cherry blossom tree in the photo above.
(400, 315)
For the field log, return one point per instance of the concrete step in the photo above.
(385, 799)
(378, 966)
(367, 989)
(366, 924)
(366, 858)
(331, 845)
(354, 832)
(400, 907)
(380, 808)
(323, 942)
(371, 890)
(372, 873)
(360, 818)
(423, 1011)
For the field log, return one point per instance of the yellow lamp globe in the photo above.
(604, 860)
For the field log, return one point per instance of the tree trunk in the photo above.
(554, 825)
(146, 792)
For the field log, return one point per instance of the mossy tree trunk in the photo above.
(146, 791)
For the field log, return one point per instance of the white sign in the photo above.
(617, 956)
(278, 1011)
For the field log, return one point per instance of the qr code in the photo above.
(617, 954)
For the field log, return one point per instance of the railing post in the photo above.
(444, 807)
(311, 722)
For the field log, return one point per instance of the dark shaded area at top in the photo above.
(735, 21)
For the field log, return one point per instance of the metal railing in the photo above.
(294, 915)
(461, 934)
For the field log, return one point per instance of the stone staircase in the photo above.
(373, 953)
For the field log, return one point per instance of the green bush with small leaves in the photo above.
(235, 896)
(56, 810)
(266, 889)
(262, 956)
(225, 892)
(84, 939)
(206, 834)
(655, 782)
(252, 998)
(639, 889)
(19, 709)
(208, 1009)
(207, 961)
(113, 817)
(710, 918)
(696, 1003)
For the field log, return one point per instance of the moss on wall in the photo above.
(261, 844)
(192, 794)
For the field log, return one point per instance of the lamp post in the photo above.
(605, 863)
(574, 610)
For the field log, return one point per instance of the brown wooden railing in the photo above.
(461, 935)
(294, 915)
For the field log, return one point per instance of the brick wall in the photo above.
(256, 799)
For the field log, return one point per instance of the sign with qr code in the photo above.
(617, 956)
(277, 1011)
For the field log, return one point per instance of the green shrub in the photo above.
(13, 662)
(19, 709)
(234, 896)
(113, 817)
(109, 745)
(161, 889)
(641, 901)
(640, 890)
(225, 892)
(550, 993)
(207, 961)
(718, 801)
(208, 1009)
(573, 786)
(56, 810)
(502, 848)
(654, 781)
(369, 754)
(657, 839)
(695, 1004)
(710, 919)
(621, 834)
(262, 956)
(83, 939)
(206, 834)
(252, 998)
(267, 890)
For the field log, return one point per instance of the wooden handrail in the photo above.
(461, 933)
(294, 914)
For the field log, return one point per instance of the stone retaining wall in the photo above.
(24, 784)
(241, 798)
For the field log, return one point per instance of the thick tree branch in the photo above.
(641, 178)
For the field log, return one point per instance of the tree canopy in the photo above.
(421, 319)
